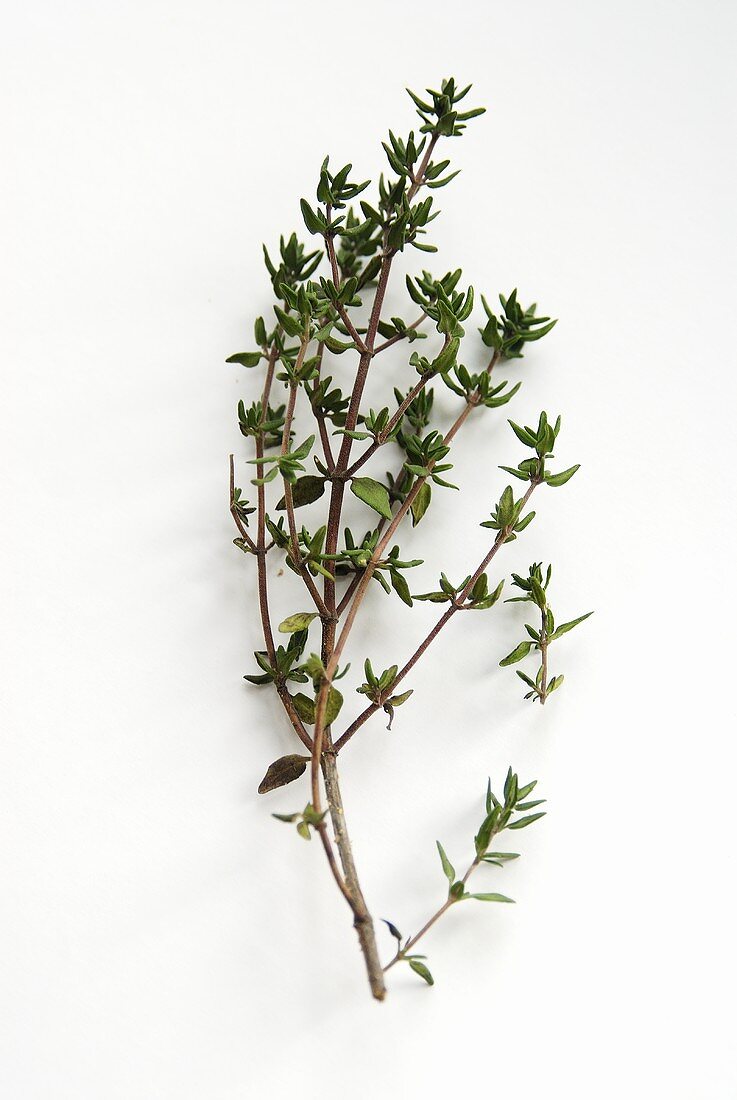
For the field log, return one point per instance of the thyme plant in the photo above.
(328, 321)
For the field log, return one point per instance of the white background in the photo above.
(163, 936)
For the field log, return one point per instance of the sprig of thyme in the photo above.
(498, 817)
(326, 327)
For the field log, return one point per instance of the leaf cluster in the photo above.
(378, 689)
(479, 598)
(535, 590)
(542, 440)
(509, 332)
(511, 812)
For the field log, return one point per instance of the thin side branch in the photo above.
(456, 605)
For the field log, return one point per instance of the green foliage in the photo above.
(295, 265)
(500, 814)
(305, 490)
(306, 821)
(372, 493)
(477, 389)
(241, 508)
(288, 465)
(507, 517)
(466, 596)
(255, 421)
(440, 116)
(379, 689)
(541, 440)
(424, 457)
(300, 621)
(285, 665)
(516, 326)
(306, 707)
(535, 588)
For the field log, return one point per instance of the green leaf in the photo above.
(304, 491)
(491, 897)
(246, 358)
(284, 770)
(448, 869)
(525, 821)
(304, 448)
(506, 507)
(372, 493)
(565, 627)
(421, 503)
(335, 702)
(517, 654)
(311, 220)
(421, 969)
(305, 708)
(397, 700)
(400, 586)
(523, 434)
(560, 479)
(300, 621)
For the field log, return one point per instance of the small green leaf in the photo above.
(304, 491)
(491, 897)
(400, 586)
(335, 702)
(300, 621)
(560, 479)
(421, 969)
(311, 219)
(305, 708)
(246, 358)
(304, 448)
(421, 503)
(517, 654)
(448, 869)
(523, 822)
(372, 493)
(397, 700)
(565, 627)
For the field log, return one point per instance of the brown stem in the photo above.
(435, 917)
(294, 550)
(362, 921)
(543, 692)
(391, 425)
(340, 308)
(322, 735)
(263, 591)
